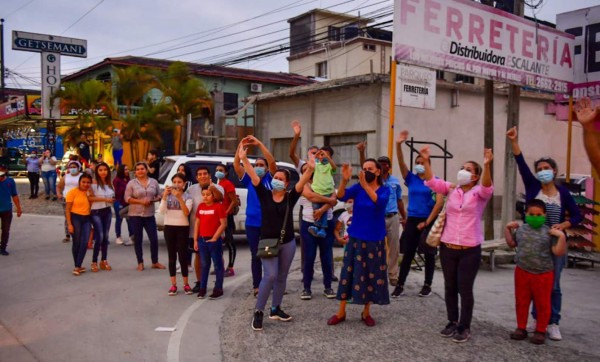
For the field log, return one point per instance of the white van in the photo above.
(194, 161)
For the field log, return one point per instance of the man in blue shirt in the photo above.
(33, 173)
(8, 195)
(394, 215)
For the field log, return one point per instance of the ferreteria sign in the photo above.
(49, 44)
(469, 38)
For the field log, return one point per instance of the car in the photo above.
(12, 157)
(193, 161)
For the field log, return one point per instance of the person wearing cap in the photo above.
(33, 173)
(394, 214)
(8, 195)
(195, 191)
(68, 182)
(559, 201)
(117, 147)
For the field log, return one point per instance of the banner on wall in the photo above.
(469, 38)
(415, 87)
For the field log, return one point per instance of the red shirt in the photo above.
(228, 187)
(210, 219)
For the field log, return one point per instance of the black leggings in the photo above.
(229, 241)
(34, 182)
(177, 243)
(410, 238)
(460, 269)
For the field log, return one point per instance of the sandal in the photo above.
(140, 267)
(82, 270)
(104, 265)
(76, 272)
(94, 268)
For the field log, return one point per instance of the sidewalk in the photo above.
(408, 328)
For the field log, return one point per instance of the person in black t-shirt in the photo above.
(153, 164)
(84, 150)
(273, 206)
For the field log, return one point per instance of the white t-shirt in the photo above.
(346, 219)
(103, 192)
(307, 210)
(47, 166)
(553, 207)
(70, 182)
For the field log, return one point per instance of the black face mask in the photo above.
(369, 176)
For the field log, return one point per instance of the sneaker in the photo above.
(201, 293)
(314, 231)
(306, 295)
(519, 334)
(538, 338)
(119, 241)
(554, 332)
(322, 234)
(425, 291)
(278, 314)
(462, 335)
(187, 289)
(47, 197)
(257, 321)
(334, 278)
(67, 239)
(128, 242)
(329, 293)
(449, 330)
(4, 252)
(196, 288)
(173, 290)
(229, 272)
(532, 325)
(398, 291)
(216, 294)
(54, 198)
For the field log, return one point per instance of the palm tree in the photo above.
(183, 94)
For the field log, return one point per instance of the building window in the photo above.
(439, 74)
(464, 79)
(230, 103)
(344, 147)
(334, 33)
(370, 47)
(321, 69)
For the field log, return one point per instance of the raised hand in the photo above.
(251, 140)
(242, 151)
(512, 133)
(296, 127)
(585, 112)
(361, 179)
(346, 171)
(488, 156)
(361, 146)
(425, 153)
(311, 162)
(402, 137)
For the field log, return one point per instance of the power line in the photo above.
(19, 8)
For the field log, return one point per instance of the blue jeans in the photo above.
(208, 251)
(119, 220)
(101, 219)
(276, 272)
(556, 298)
(309, 246)
(81, 234)
(138, 225)
(49, 178)
(117, 155)
(253, 235)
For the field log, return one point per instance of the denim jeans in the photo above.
(81, 234)
(117, 155)
(6, 219)
(49, 178)
(556, 298)
(119, 220)
(208, 251)
(310, 244)
(253, 236)
(276, 273)
(138, 225)
(101, 219)
(322, 222)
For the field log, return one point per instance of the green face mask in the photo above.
(535, 222)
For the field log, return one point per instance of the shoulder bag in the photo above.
(434, 238)
(269, 247)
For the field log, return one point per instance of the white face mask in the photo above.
(463, 177)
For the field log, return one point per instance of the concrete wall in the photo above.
(366, 109)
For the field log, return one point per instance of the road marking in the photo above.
(177, 335)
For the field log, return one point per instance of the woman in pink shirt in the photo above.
(460, 251)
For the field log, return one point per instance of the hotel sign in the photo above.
(43, 43)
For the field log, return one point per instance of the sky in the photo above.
(200, 31)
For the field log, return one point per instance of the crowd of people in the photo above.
(375, 228)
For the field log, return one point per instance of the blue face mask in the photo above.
(324, 161)
(73, 171)
(420, 169)
(277, 185)
(260, 171)
(220, 175)
(545, 176)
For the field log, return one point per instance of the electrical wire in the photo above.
(19, 8)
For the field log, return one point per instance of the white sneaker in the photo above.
(554, 332)
(531, 325)
(119, 241)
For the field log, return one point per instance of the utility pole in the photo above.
(2, 81)
(510, 170)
